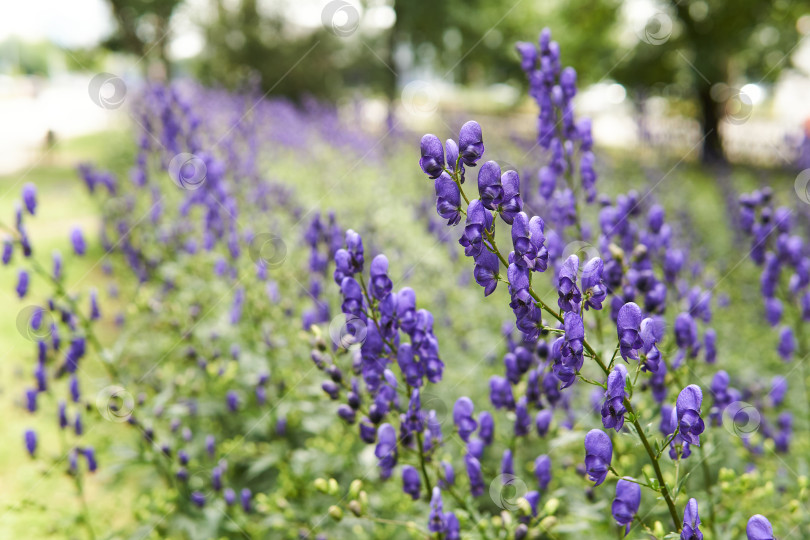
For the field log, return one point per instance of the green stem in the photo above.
(673, 512)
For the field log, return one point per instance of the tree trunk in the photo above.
(712, 146)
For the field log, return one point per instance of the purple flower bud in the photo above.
(230, 496)
(90, 456)
(198, 498)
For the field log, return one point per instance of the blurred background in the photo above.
(715, 80)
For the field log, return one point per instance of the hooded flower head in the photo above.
(759, 528)
(628, 325)
(598, 455)
(432, 160)
(626, 503)
(687, 409)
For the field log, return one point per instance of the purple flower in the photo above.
(626, 503)
(448, 199)
(29, 196)
(31, 441)
(245, 497)
(691, 522)
(8, 250)
(486, 430)
(542, 471)
(22, 283)
(436, 521)
(381, 284)
(569, 295)
(475, 476)
(571, 350)
(386, 449)
(463, 418)
(77, 240)
(613, 407)
(787, 343)
(411, 483)
(453, 527)
(432, 160)
(470, 143)
(773, 311)
(478, 222)
(598, 455)
(500, 393)
(688, 413)
(198, 498)
(490, 188)
(543, 421)
(232, 400)
(628, 326)
(593, 286)
(486, 270)
(528, 239)
(512, 202)
(90, 456)
(779, 387)
(649, 336)
(759, 528)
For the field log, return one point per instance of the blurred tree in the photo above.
(469, 42)
(702, 49)
(143, 29)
